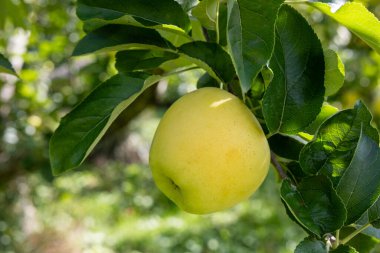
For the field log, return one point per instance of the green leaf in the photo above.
(326, 112)
(295, 171)
(335, 73)
(374, 214)
(6, 66)
(222, 22)
(251, 36)
(295, 96)
(315, 204)
(309, 245)
(119, 37)
(333, 146)
(359, 187)
(362, 243)
(285, 146)
(165, 12)
(82, 128)
(132, 60)
(211, 57)
(206, 13)
(187, 5)
(207, 81)
(357, 19)
(345, 249)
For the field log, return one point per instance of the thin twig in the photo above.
(277, 166)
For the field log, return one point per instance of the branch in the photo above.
(277, 166)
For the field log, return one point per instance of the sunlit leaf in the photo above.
(326, 112)
(295, 96)
(251, 36)
(332, 149)
(334, 73)
(206, 13)
(357, 18)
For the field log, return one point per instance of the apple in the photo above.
(209, 152)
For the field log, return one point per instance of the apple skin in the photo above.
(209, 152)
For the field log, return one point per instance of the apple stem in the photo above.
(277, 166)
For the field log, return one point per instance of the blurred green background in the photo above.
(110, 204)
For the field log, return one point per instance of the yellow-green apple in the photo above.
(209, 152)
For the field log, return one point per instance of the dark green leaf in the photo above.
(82, 128)
(362, 243)
(211, 57)
(334, 75)
(294, 171)
(295, 96)
(6, 66)
(374, 214)
(359, 187)
(251, 36)
(331, 151)
(345, 249)
(315, 204)
(309, 245)
(132, 60)
(167, 12)
(223, 18)
(358, 19)
(285, 146)
(207, 81)
(119, 37)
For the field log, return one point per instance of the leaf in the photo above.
(362, 243)
(295, 96)
(345, 249)
(207, 81)
(357, 19)
(294, 171)
(251, 36)
(309, 245)
(166, 12)
(315, 204)
(187, 5)
(132, 60)
(359, 187)
(326, 112)
(119, 37)
(334, 72)
(334, 144)
(374, 214)
(285, 146)
(6, 66)
(206, 13)
(222, 22)
(82, 128)
(211, 57)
